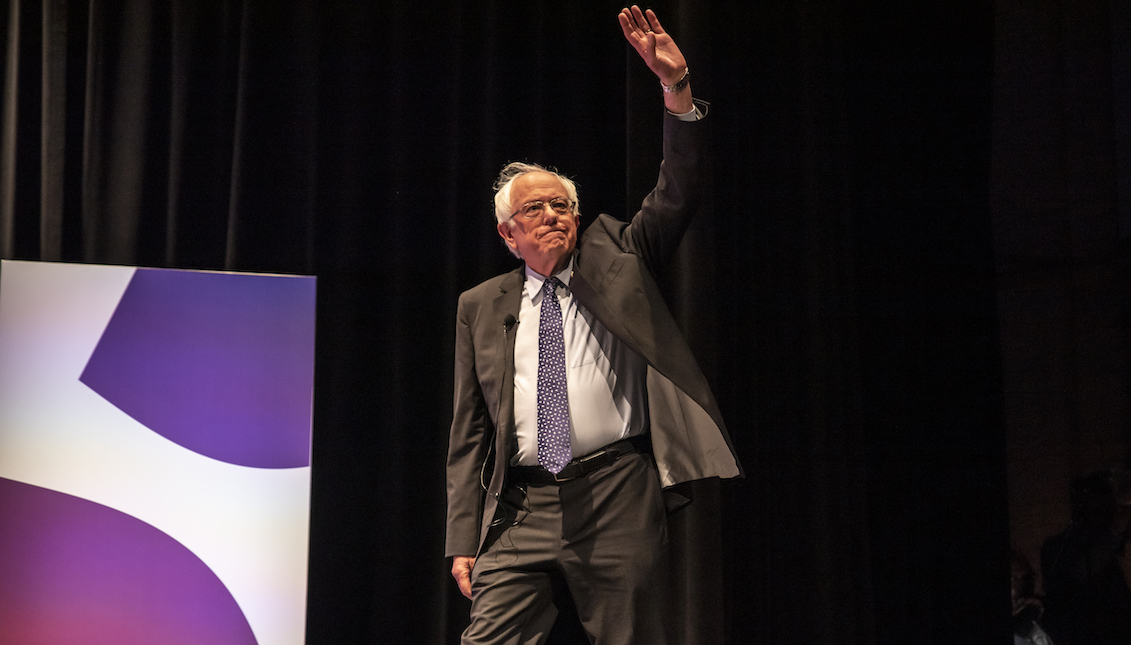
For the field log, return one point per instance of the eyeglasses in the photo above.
(531, 210)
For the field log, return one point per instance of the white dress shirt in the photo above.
(605, 380)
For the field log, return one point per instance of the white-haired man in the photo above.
(577, 400)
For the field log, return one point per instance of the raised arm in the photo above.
(642, 30)
(656, 230)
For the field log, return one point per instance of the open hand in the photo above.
(644, 32)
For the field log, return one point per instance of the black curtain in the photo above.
(838, 290)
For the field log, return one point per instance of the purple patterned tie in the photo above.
(553, 400)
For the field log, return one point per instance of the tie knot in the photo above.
(551, 285)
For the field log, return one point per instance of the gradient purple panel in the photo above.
(73, 572)
(222, 364)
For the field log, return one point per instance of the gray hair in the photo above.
(504, 211)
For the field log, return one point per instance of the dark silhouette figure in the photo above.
(1087, 599)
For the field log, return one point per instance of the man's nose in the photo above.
(549, 215)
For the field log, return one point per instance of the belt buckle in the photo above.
(580, 463)
(558, 479)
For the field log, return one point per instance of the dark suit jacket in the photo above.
(614, 265)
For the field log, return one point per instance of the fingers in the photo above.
(638, 24)
(640, 19)
(654, 22)
(640, 40)
(461, 571)
(465, 587)
(627, 25)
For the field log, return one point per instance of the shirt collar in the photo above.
(534, 280)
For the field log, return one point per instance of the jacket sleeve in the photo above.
(468, 443)
(655, 231)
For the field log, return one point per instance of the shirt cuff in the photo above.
(698, 112)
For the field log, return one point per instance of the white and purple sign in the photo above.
(155, 431)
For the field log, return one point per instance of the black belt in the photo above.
(581, 466)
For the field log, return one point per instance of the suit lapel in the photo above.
(510, 295)
(603, 311)
(591, 300)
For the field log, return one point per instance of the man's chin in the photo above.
(557, 245)
(555, 253)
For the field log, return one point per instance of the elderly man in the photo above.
(577, 400)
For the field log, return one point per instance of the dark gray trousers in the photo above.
(605, 534)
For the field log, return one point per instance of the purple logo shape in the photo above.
(73, 572)
(221, 364)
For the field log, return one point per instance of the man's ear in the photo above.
(505, 232)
